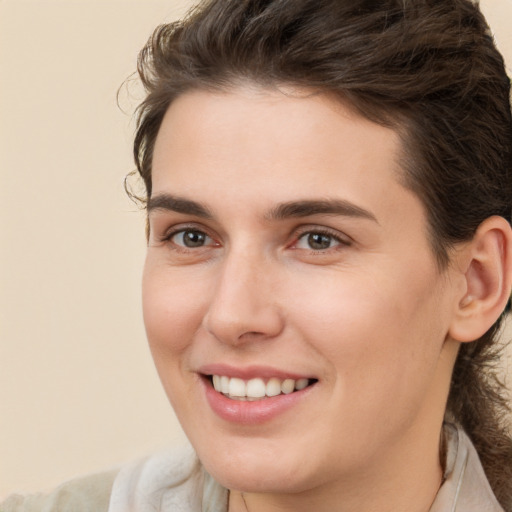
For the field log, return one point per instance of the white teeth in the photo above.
(273, 387)
(237, 387)
(301, 384)
(288, 386)
(224, 385)
(255, 389)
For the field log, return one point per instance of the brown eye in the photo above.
(317, 241)
(191, 239)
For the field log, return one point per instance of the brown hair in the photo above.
(427, 68)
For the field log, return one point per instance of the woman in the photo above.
(329, 258)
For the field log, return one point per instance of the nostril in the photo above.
(251, 335)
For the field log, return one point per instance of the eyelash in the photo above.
(167, 237)
(335, 236)
(305, 231)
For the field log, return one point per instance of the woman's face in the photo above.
(284, 253)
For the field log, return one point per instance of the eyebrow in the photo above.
(291, 209)
(178, 204)
(306, 208)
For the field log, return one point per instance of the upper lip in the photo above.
(250, 372)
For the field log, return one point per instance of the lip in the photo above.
(254, 412)
(250, 372)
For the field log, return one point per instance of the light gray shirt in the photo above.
(175, 481)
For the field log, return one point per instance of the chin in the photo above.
(261, 468)
(256, 480)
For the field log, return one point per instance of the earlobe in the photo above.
(488, 277)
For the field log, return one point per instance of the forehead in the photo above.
(252, 145)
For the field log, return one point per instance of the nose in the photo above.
(243, 303)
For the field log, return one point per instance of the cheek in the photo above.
(377, 331)
(172, 315)
(172, 308)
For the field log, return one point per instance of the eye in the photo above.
(318, 241)
(190, 238)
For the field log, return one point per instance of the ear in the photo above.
(487, 272)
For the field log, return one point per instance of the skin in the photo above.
(368, 315)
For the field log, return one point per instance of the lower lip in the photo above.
(255, 412)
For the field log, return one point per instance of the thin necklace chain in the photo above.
(245, 503)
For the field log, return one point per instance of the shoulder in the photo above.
(169, 480)
(86, 494)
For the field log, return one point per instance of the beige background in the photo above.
(78, 391)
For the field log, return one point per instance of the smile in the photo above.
(257, 388)
(254, 395)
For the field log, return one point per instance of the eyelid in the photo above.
(169, 233)
(340, 237)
